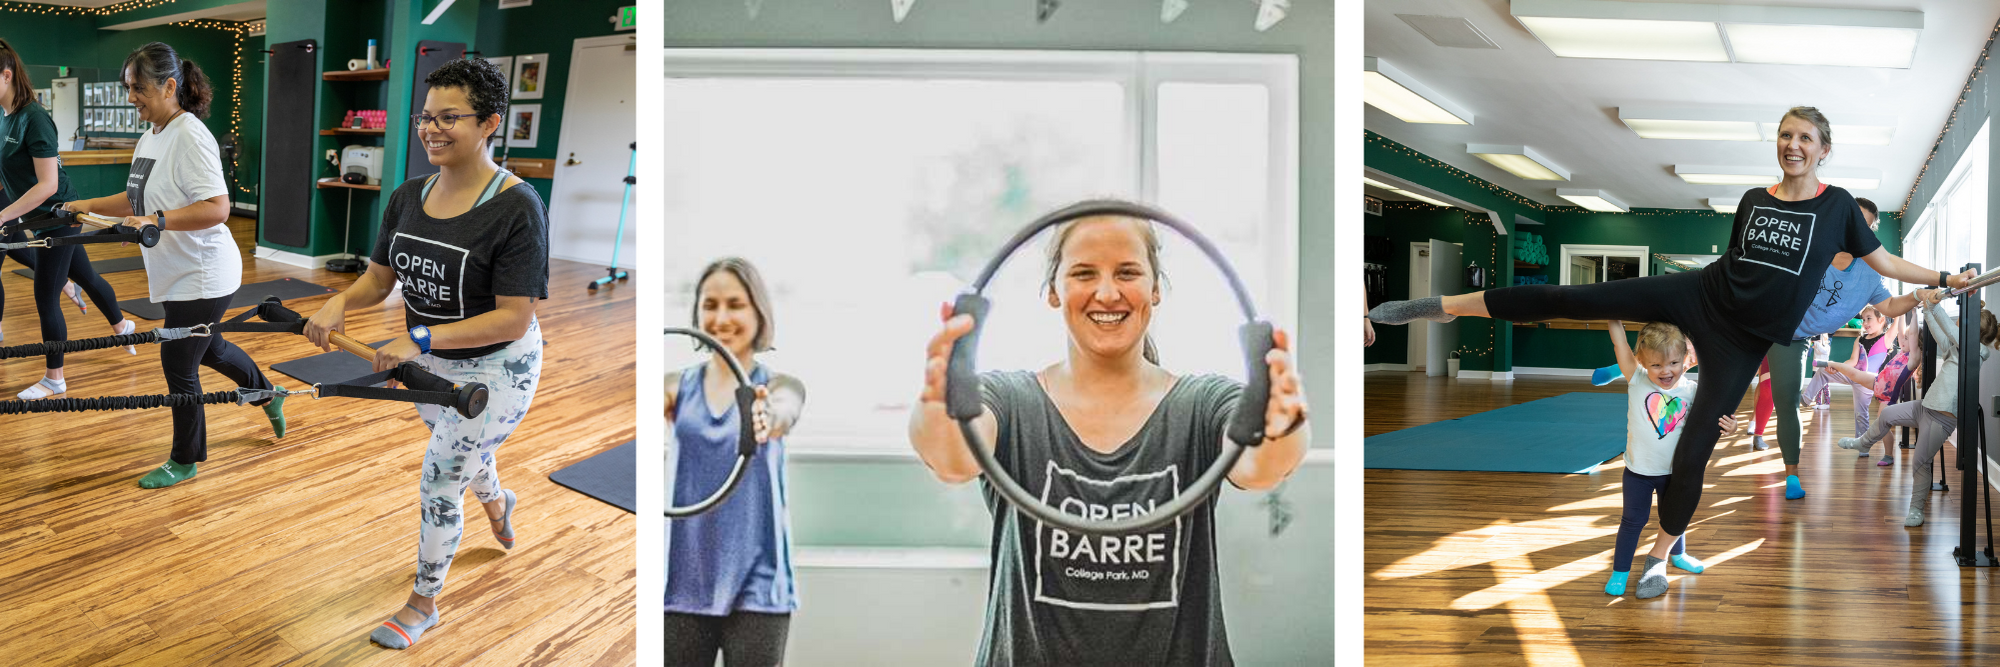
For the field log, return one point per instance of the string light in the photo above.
(239, 31)
(63, 10)
(1964, 96)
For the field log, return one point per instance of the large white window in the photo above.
(1952, 230)
(1586, 264)
(869, 186)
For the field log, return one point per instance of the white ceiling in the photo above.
(1567, 108)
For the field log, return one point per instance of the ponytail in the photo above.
(196, 92)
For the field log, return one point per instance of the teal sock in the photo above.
(1617, 584)
(1686, 562)
(1794, 490)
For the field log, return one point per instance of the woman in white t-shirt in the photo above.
(176, 183)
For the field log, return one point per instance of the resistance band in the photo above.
(962, 393)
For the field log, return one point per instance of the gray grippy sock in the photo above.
(1654, 583)
(1402, 312)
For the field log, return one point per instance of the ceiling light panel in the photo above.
(1702, 130)
(1389, 89)
(1723, 33)
(1712, 175)
(1379, 184)
(1423, 199)
(1520, 161)
(1841, 46)
(1723, 205)
(1595, 200)
(1881, 134)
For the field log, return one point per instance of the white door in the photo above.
(1420, 287)
(599, 124)
(66, 111)
(1447, 278)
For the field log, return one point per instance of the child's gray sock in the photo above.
(1401, 312)
(1654, 582)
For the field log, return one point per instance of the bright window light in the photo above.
(1594, 200)
(1520, 161)
(1628, 39)
(1723, 205)
(1842, 46)
(1389, 89)
(1701, 130)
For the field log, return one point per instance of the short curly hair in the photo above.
(485, 86)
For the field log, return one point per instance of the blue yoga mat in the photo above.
(1571, 433)
(611, 476)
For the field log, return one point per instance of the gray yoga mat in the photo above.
(247, 295)
(103, 266)
(610, 476)
(328, 367)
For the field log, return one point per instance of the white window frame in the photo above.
(1141, 73)
(1644, 253)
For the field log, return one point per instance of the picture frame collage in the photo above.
(106, 111)
(527, 79)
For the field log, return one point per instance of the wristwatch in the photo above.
(1943, 279)
(160, 219)
(422, 335)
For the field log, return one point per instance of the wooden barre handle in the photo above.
(351, 346)
(98, 221)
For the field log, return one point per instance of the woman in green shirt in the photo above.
(32, 177)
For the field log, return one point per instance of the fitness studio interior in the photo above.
(294, 540)
(1569, 143)
(916, 139)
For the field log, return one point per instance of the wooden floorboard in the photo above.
(289, 551)
(1484, 568)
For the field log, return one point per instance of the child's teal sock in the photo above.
(1793, 490)
(1605, 375)
(1617, 584)
(1686, 562)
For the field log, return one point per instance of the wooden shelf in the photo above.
(343, 130)
(337, 184)
(378, 74)
(1524, 265)
(84, 158)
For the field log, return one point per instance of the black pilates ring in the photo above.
(962, 384)
(746, 438)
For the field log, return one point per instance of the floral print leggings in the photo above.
(461, 450)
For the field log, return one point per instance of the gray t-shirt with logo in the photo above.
(452, 269)
(1149, 598)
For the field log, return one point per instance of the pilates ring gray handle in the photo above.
(962, 384)
(746, 437)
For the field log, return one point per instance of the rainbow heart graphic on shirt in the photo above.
(1666, 412)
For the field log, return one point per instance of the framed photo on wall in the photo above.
(530, 72)
(504, 63)
(524, 124)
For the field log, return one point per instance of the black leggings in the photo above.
(1729, 358)
(25, 256)
(60, 266)
(745, 639)
(182, 361)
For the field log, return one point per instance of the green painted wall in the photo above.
(551, 28)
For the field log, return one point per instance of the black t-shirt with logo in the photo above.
(1778, 250)
(1150, 598)
(452, 269)
(25, 135)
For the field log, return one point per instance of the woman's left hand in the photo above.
(761, 415)
(142, 221)
(1287, 406)
(395, 353)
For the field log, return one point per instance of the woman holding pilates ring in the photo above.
(729, 570)
(32, 180)
(1106, 433)
(176, 184)
(470, 248)
(1734, 309)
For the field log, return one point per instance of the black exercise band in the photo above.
(1246, 429)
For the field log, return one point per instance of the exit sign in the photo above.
(627, 18)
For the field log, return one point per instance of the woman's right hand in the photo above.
(937, 354)
(330, 318)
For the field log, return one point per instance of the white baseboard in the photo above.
(1503, 376)
(294, 259)
(247, 207)
(1400, 368)
(1559, 372)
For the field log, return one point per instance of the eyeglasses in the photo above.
(443, 122)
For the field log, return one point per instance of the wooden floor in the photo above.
(290, 551)
(1475, 568)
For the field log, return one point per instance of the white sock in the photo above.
(43, 389)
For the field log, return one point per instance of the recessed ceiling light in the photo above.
(1723, 204)
(1722, 33)
(1746, 124)
(1520, 161)
(1595, 200)
(1704, 130)
(1389, 89)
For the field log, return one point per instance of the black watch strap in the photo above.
(1943, 278)
(160, 218)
